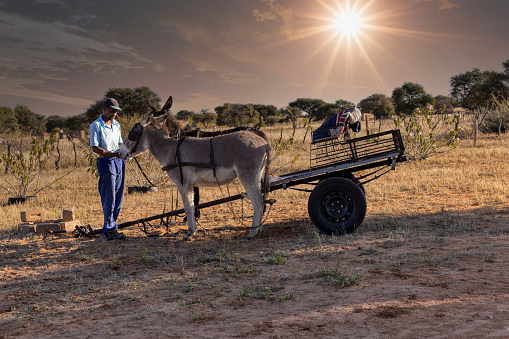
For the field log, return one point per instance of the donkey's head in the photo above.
(136, 141)
(172, 125)
(164, 110)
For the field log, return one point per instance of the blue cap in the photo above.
(111, 103)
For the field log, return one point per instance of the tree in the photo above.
(185, 115)
(474, 89)
(236, 115)
(8, 120)
(505, 64)
(77, 123)
(205, 118)
(291, 114)
(310, 106)
(343, 104)
(55, 121)
(444, 104)
(132, 101)
(409, 97)
(326, 111)
(269, 114)
(28, 121)
(379, 104)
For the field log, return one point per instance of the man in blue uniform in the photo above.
(105, 140)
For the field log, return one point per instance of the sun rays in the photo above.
(345, 26)
(353, 34)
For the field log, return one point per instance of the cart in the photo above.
(337, 203)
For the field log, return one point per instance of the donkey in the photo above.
(204, 162)
(176, 130)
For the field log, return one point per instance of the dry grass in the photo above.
(431, 248)
(462, 179)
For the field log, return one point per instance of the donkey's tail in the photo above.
(266, 177)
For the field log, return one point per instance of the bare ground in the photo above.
(429, 275)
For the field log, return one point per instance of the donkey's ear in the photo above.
(159, 120)
(152, 107)
(168, 103)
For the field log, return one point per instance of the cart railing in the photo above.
(332, 152)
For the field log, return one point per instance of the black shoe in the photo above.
(115, 235)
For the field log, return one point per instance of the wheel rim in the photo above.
(337, 206)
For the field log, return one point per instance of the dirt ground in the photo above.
(435, 275)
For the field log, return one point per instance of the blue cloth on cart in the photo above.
(335, 125)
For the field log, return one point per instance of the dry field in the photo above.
(429, 261)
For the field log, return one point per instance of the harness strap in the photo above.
(212, 162)
(180, 163)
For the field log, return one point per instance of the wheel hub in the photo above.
(337, 206)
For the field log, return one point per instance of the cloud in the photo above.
(43, 60)
(278, 12)
(55, 42)
(444, 4)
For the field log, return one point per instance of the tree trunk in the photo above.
(8, 156)
(475, 128)
(57, 162)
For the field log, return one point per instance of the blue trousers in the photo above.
(111, 188)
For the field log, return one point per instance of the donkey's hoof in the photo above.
(187, 237)
(251, 237)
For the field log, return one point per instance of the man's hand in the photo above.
(104, 153)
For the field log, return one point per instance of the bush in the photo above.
(425, 134)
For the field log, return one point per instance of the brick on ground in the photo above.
(69, 225)
(68, 214)
(46, 227)
(33, 215)
(26, 228)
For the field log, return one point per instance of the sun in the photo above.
(348, 23)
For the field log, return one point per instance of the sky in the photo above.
(58, 57)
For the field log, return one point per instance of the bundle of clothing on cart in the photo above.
(339, 123)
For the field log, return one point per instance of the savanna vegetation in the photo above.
(431, 247)
(429, 260)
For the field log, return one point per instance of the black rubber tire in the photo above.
(325, 199)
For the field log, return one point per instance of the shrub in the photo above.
(26, 169)
(425, 134)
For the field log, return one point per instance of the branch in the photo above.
(56, 180)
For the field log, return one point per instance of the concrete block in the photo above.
(69, 226)
(26, 228)
(46, 227)
(69, 214)
(33, 215)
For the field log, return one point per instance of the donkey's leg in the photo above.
(196, 200)
(255, 195)
(187, 200)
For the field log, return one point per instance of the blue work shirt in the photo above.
(105, 136)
